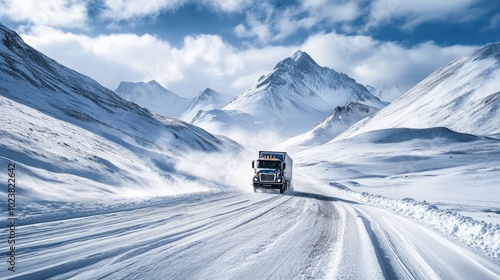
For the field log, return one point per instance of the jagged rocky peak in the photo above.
(304, 60)
(296, 66)
(299, 59)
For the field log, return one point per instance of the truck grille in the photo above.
(267, 177)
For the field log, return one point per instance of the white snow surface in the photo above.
(463, 95)
(312, 232)
(106, 189)
(422, 174)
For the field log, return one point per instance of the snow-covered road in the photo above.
(312, 232)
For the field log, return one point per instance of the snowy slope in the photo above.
(463, 96)
(76, 140)
(439, 169)
(298, 94)
(206, 100)
(337, 122)
(153, 96)
(437, 165)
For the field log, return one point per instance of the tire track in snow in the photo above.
(150, 228)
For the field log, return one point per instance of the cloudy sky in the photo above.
(188, 45)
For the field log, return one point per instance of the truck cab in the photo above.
(272, 170)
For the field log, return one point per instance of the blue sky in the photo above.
(189, 45)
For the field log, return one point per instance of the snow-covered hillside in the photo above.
(298, 94)
(337, 122)
(154, 97)
(74, 140)
(206, 100)
(463, 96)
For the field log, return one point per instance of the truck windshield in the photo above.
(268, 164)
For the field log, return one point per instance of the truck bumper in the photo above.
(267, 185)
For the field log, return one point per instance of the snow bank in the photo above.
(477, 234)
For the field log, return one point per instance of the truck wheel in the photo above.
(282, 188)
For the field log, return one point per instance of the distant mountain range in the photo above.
(299, 97)
(158, 99)
(292, 98)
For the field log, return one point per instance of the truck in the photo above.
(272, 170)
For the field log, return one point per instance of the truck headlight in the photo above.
(255, 179)
(279, 180)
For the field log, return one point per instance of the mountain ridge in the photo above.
(463, 95)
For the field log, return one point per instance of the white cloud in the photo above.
(380, 63)
(255, 28)
(202, 61)
(268, 23)
(131, 9)
(414, 13)
(229, 6)
(57, 13)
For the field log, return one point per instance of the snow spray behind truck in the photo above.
(273, 170)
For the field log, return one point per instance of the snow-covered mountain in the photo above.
(206, 100)
(387, 93)
(337, 122)
(298, 94)
(73, 139)
(463, 96)
(153, 96)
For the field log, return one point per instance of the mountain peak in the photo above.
(299, 55)
(153, 83)
(208, 91)
(299, 59)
